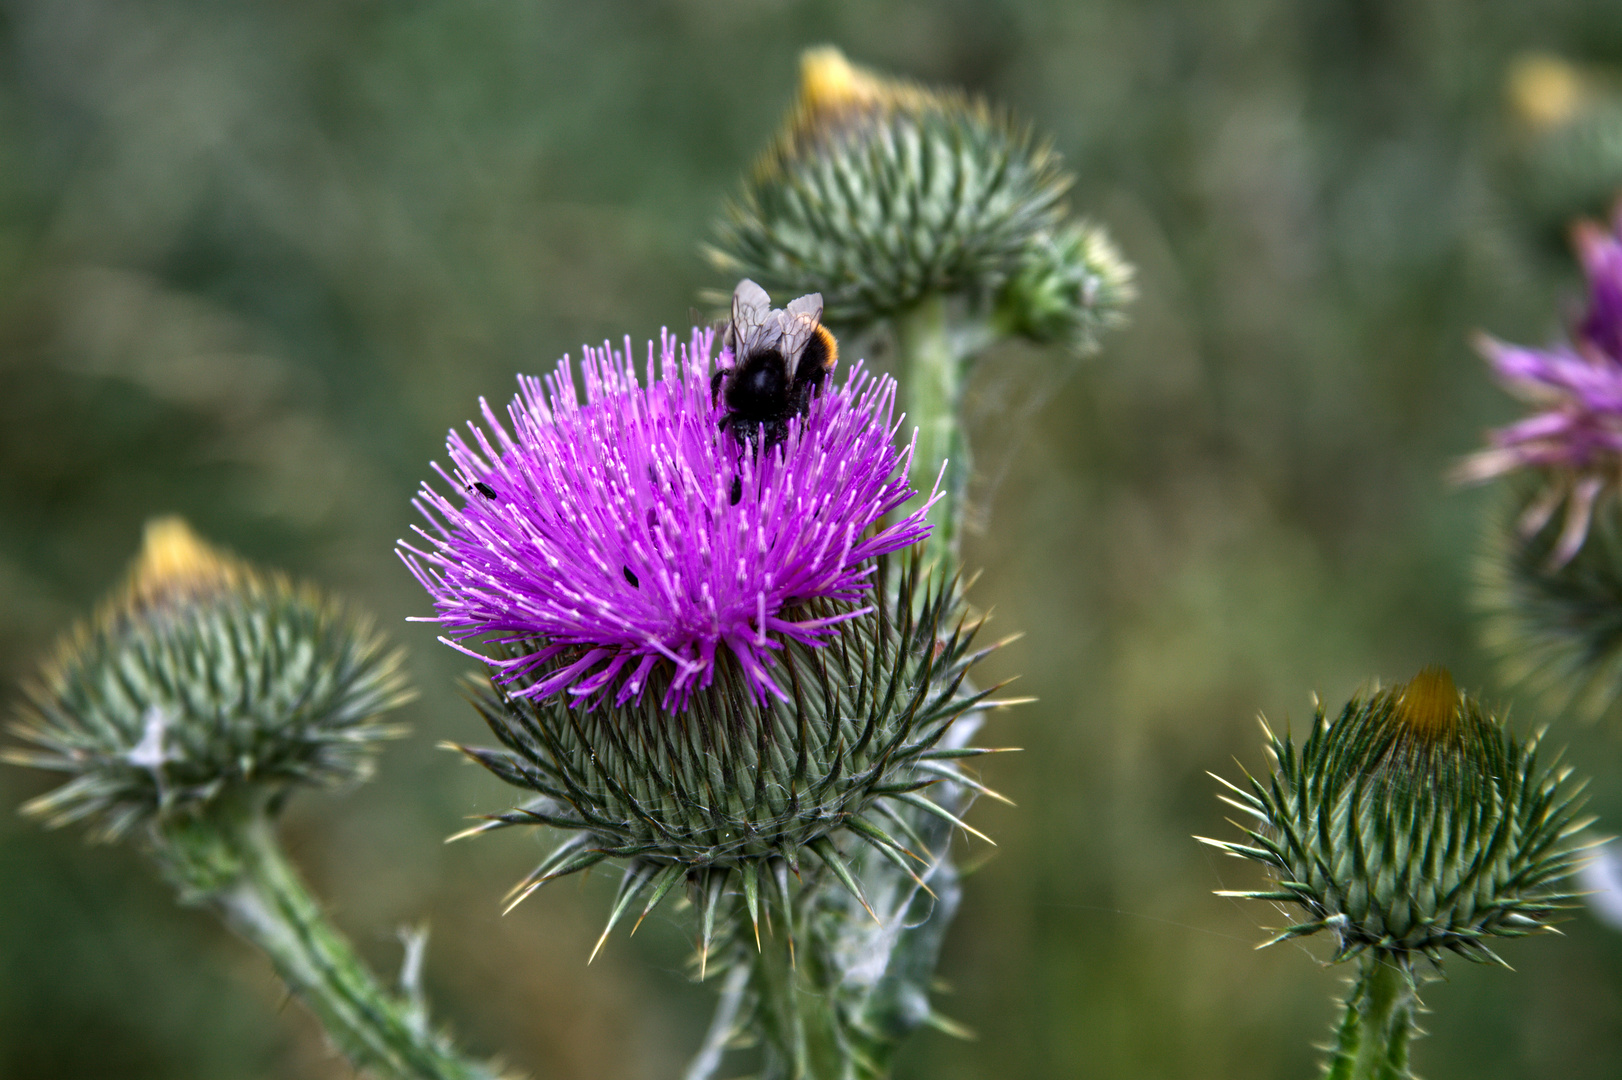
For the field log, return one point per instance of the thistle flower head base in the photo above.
(740, 794)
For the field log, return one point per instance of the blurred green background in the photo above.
(255, 259)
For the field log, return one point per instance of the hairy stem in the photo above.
(1371, 1042)
(839, 1003)
(936, 346)
(799, 1014)
(232, 863)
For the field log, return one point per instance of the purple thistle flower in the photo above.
(1576, 434)
(606, 541)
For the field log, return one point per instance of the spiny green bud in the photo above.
(1070, 287)
(1414, 823)
(1553, 623)
(202, 676)
(880, 193)
(736, 794)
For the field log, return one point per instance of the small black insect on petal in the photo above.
(737, 489)
(635, 584)
(483, 489)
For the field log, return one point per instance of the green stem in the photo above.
(837, 1008)
(798, 1012)
(231, 862)
(936, 346)
(1371, 1042)
(723, 1027)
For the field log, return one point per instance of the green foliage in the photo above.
(1414, 824)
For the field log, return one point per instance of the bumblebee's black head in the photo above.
(780, 356)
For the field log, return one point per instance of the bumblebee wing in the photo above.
(750, 308)
(800, 321)
(809, 304)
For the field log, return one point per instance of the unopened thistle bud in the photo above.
(201, 677)
(701, 666)
(1069, 288)
(880, 193)
(1412, 825)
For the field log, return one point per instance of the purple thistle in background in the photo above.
(610, 542)
(1577, 433)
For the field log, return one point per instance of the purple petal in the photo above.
(613, 545)
(1601, 255)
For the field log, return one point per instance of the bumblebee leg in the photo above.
(715, 384)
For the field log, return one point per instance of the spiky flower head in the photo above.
(630, 540)
(1413, 824)
(702, 664)
(1575, 437)
(203, 676)
(880, 193)
(740, 791)
(1071, 286)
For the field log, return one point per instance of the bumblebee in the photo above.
(780, 357)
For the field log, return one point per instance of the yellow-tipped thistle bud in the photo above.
(203, 675)
(1413, 824)
(880, 193)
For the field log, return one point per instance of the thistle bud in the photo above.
(1069, 288)
(203, 676)
(1413, 824)
(880, 193)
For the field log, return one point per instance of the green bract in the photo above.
(1414, 823)
(1070, 287)
(202, 677)
(880, 194)
(1556, 628)
(735, 794)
